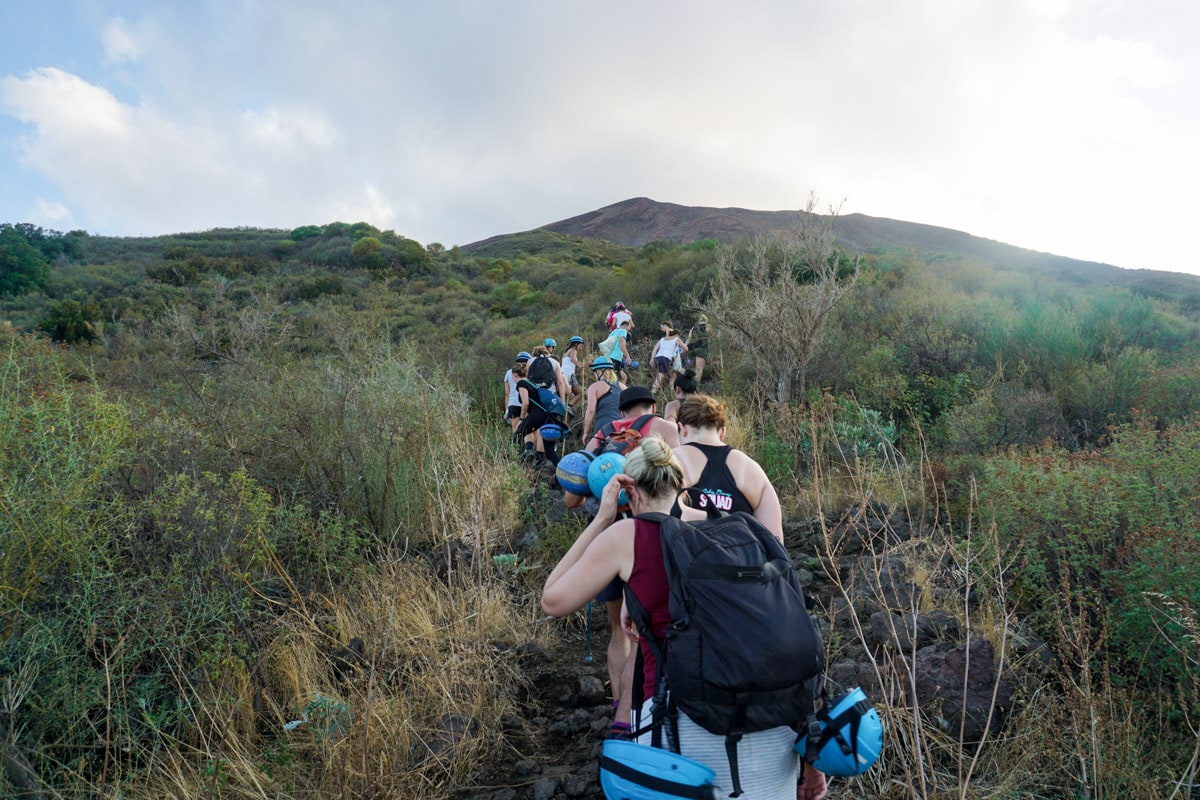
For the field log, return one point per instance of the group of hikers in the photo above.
(675, 467)
(541, 423)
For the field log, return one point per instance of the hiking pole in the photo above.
(588, 658)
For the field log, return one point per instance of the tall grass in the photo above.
(1083, 720)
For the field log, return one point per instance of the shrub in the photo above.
(1098, 533)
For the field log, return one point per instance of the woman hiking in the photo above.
(630, 549)
(717, 475)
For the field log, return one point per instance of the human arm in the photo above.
(523, 393)
(601, 552)
(753, 482)
(560, 382)
(589, 413)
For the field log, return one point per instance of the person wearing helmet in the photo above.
(545, 371)
(603, 397)
(570, 368)
(512, 411)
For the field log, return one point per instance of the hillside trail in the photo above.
(552, 745)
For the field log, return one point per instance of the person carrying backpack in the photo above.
(638, 419)
(544, 369)
(633, 550)
(541, 408)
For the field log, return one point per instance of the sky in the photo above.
(1065, 126)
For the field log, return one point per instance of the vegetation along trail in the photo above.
(264, 534)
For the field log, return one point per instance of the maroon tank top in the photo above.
(649, 582)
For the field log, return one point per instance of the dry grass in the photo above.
(408, 716)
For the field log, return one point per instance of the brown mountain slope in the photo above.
(640, 220)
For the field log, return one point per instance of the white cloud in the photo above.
(119, 42)
(1064, 125)
(51, 214)
(289, 130)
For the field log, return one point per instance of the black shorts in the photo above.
(514, 412)
(614, 591)
(662, 364)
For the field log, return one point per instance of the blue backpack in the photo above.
(550, 402)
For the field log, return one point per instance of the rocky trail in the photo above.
(889, 564)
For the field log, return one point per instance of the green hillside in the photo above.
(228, 455)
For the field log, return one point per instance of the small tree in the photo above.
(772, 296)
(71, 321)
(23, 268)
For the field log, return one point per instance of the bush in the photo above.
(1098, 534)
(72, 322)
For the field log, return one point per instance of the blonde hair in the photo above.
(609, 375)
(701, 411)
(655, 468)
(541, 350)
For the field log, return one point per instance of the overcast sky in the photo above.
(1069, 126)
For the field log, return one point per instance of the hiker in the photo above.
(512, 412)
(618, 314)
(666, 357)
(684, 387)
(697, 342)
(533, 416)
(716, 474)
(616, 347)
(570, 366)
(637, 420)
(638, 409)
(629, 549)
(603, 397)
(545, 371)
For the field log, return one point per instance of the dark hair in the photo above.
(520, 368)
(686, 381)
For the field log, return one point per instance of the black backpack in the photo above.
(741, 653)
(541, 372)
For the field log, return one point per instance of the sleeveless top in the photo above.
(715, 487)
(607, 407)
(648, 580)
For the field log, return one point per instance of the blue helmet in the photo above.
(523, 356)
(631, 771)
(602, 470)
(551, 431)
(602, 362)
(572, 472)
(849, 738)
(575, 340)
(550, 343)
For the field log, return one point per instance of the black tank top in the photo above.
(715, 487)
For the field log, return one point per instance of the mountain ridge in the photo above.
(639, 220)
